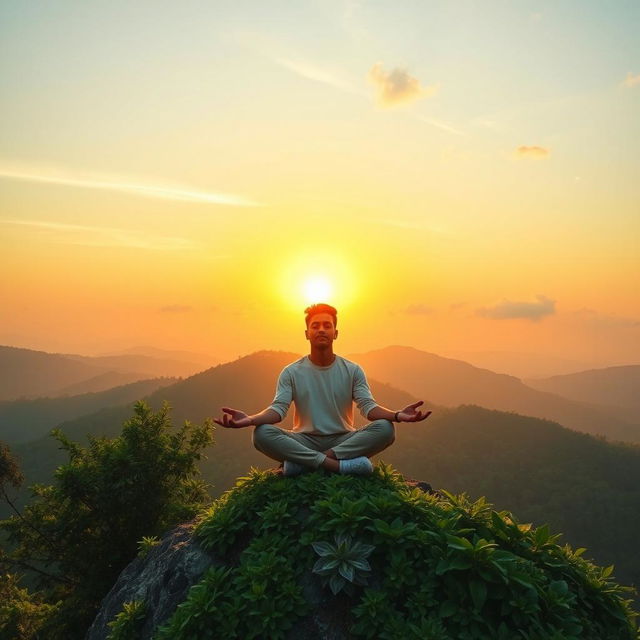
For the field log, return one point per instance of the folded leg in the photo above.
(285, 445)
(368, 441)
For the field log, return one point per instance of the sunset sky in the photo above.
(465, 176)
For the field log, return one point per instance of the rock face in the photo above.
(328, 557)
(161, 580)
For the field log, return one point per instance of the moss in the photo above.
(441, 567)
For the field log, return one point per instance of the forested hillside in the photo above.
(25, 420)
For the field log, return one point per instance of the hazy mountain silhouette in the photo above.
(453, 382)
(99, 383)
(25, 373)
(619, 386)
(26, 420)
(144, 365)
(202, 360)
(521, 365)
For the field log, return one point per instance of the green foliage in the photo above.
(147, 544)
(441, 566)
(344, 563)
(127, 624)
(79, 533)
(22, 614)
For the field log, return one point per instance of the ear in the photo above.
(335, 335)
(306, 334)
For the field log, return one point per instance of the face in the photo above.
(321, 331)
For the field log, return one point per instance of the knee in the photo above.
(262, 433)
(387, 430)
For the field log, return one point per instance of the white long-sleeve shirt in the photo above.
(323, 396)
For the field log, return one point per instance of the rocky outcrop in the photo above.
(330, 557)
(161, 579)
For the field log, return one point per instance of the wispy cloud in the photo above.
(166, 192)
(532, 152)
(445, 126)
(397, 86)
(91, 236)
(529, 310)
(631, 80)
(319, 74)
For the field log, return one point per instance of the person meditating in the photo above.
(323, 387)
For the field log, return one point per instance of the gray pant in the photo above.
(306, 449)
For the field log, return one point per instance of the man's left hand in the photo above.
(411, 414)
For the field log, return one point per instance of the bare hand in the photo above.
(233, 419)
(410, 413)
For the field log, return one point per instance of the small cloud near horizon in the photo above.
(418, 310)
(631, 80)
(176, 308)
(532, 152)
(508, 309)
(397, 86)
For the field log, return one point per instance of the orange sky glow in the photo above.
(184, 191)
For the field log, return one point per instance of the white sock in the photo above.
(356, 466)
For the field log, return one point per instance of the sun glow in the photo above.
(310, 276)
(317, 289)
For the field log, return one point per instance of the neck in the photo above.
(322, 357)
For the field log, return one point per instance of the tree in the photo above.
(79, 533)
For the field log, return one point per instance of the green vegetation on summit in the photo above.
(376, 557)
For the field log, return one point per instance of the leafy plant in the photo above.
(147, 544)
(127, 623)
(344, 563)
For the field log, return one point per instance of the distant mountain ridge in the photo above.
(453, 382)
(26, 420)
(25, 373)
(619, 386)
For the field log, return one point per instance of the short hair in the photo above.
(321, 307)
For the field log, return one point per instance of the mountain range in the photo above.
(25, 373)
(586, 487)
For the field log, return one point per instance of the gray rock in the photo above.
(161, 580)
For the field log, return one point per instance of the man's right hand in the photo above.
(233, 419)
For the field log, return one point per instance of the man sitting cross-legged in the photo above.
(323, 387)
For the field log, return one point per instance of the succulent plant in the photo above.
(344, 563)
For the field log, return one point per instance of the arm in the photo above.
(408, 414)
(234, 419)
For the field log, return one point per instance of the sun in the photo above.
(317, 289)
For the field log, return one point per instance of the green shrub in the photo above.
(442, 567)
(127, 624)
